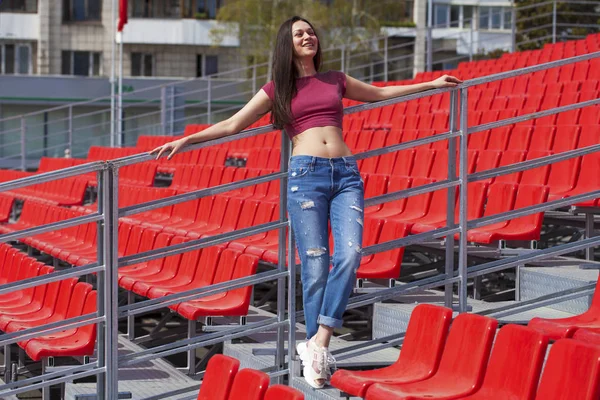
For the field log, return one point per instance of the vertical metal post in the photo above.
(119, 141)
(429, 35)
(385, 58)
(172, 109)
(113, 18)
(451, 199)
(209, 99)
(554, 21)
(518, 283)
(343, 59)
(102, 249)
(291, 297)
(471, 39)
(163, 110)
(70, 131)
(110, 288)
(462, 245)
(253, 79)
(589, 233)
(23, 144)
(513, 27)
(280, 351)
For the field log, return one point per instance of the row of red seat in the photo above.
(60, 192)
(77, 245)
(439, 361)
(222, 381)
(193, 270)
(44, 304)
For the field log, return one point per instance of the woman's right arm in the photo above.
(259, 105)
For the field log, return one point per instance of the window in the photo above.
(212, 64)
(507, 19)
(209, 7)
(454, 16)
(206, 65)
(9, 59)
(80, 63)
(28, 6)
(484, 17)
(440, 16)
(142, 64)
(15, 58)
(495, 18)
(201, 9)
(496, 13)
(467, 16)
(81, 10)
(156, 8)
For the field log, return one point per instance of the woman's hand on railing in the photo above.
(174, 147)
(445, 81)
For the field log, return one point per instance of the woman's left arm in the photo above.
(360, 91)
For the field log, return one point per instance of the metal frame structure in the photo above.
(106, 365)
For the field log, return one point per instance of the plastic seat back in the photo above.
(425, 338)
(281, 392)
(515, 364)
(469, 334)
(572, 372)
(249, 384)
(218, 378)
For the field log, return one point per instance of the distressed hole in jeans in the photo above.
(294, 189)
(305, 205)
(358, 249)
(356, 208)
(316, 251)
(360, 221)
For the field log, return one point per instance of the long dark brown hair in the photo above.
(285, 72)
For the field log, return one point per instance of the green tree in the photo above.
(568, 16)
(348, 23)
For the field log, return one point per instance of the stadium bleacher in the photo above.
(441, 371)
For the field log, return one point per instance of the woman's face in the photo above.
(305, 40)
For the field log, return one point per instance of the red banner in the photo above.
(122, 14)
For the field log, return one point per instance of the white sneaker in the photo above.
(315, 363)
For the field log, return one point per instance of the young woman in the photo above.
(324, 183)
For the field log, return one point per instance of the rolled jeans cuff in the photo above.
(329, 321)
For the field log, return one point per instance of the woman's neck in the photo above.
(306, 67)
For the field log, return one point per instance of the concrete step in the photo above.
(143, 380)
(538, 281)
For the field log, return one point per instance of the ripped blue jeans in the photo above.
(320, 189)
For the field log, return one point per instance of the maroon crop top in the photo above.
(318, 101)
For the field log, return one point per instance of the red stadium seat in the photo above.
(515, 365)
(218, 378)
(385, 265)
(249, 384)
(419, 358)
(565, 327)
(281, 392)
(572, 372)
(80, 343)
(457, 375)
(522, 228)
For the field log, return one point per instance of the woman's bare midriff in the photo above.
(320, 141)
